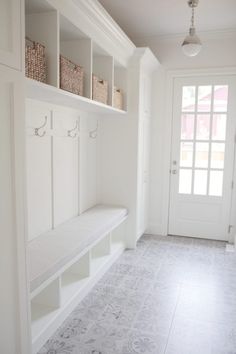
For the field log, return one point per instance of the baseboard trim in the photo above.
(155, 229)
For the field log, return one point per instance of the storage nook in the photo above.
(120, 87)
(67, 261)
(70, 49)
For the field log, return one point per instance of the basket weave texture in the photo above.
(100, 90)
(35, 61)
(118, 98)
(71, 76)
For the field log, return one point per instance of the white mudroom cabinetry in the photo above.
(147, 66)
(73, 235)
(125, 147)
(74, 186)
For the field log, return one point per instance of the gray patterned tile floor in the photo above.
(172, 295)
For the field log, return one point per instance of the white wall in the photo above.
(219, 51)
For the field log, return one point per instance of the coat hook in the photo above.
(72, 133)
(94, 133)
(37, 130)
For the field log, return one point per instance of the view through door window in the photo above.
(203, 134)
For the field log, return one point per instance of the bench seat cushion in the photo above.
(49, 252)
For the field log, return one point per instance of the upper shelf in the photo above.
(93, 21)
(61, 35)
(48, 93)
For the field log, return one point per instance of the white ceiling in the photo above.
(139, 18)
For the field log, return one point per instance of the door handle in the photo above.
(174, 172)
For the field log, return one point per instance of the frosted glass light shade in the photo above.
(191, 45)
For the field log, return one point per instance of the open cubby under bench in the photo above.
(66, 262)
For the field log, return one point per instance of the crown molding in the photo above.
(144, 56)
(97, 24)
(97, 14)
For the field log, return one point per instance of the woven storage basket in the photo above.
(35, 60)
(71, 76)
(100, 90)
(118, 98)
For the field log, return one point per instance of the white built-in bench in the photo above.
(66, 262)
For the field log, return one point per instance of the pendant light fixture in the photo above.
(192, 45)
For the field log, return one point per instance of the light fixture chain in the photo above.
(192, 18)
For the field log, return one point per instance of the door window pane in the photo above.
(200, 182)
(187, 126)
(203, 127)
(204, 98)
(216, 183)
(188, 99)
(217, 155)
(219, 127)
(185, 181)
(220, 98)
(202, 152)
(186, 154)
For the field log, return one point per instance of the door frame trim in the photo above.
(171, 75)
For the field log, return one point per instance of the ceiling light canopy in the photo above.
(192, 45)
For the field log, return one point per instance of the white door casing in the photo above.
(202, 155)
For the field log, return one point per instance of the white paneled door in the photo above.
(203, 145)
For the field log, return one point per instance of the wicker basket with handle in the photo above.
(100, 90)
(35, 60)
(71, 76)
(118, 98)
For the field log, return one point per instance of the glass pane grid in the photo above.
(200, 182)
(195, 134)
(188, 98)
(210, 144)
(217, 112)
(203, 126)
(220, 98)
(204, 98)
(203, 134)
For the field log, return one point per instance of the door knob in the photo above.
(174, 172)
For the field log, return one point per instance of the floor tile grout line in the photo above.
(173, 318)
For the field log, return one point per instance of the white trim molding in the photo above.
(155, 228)
(145, 57)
